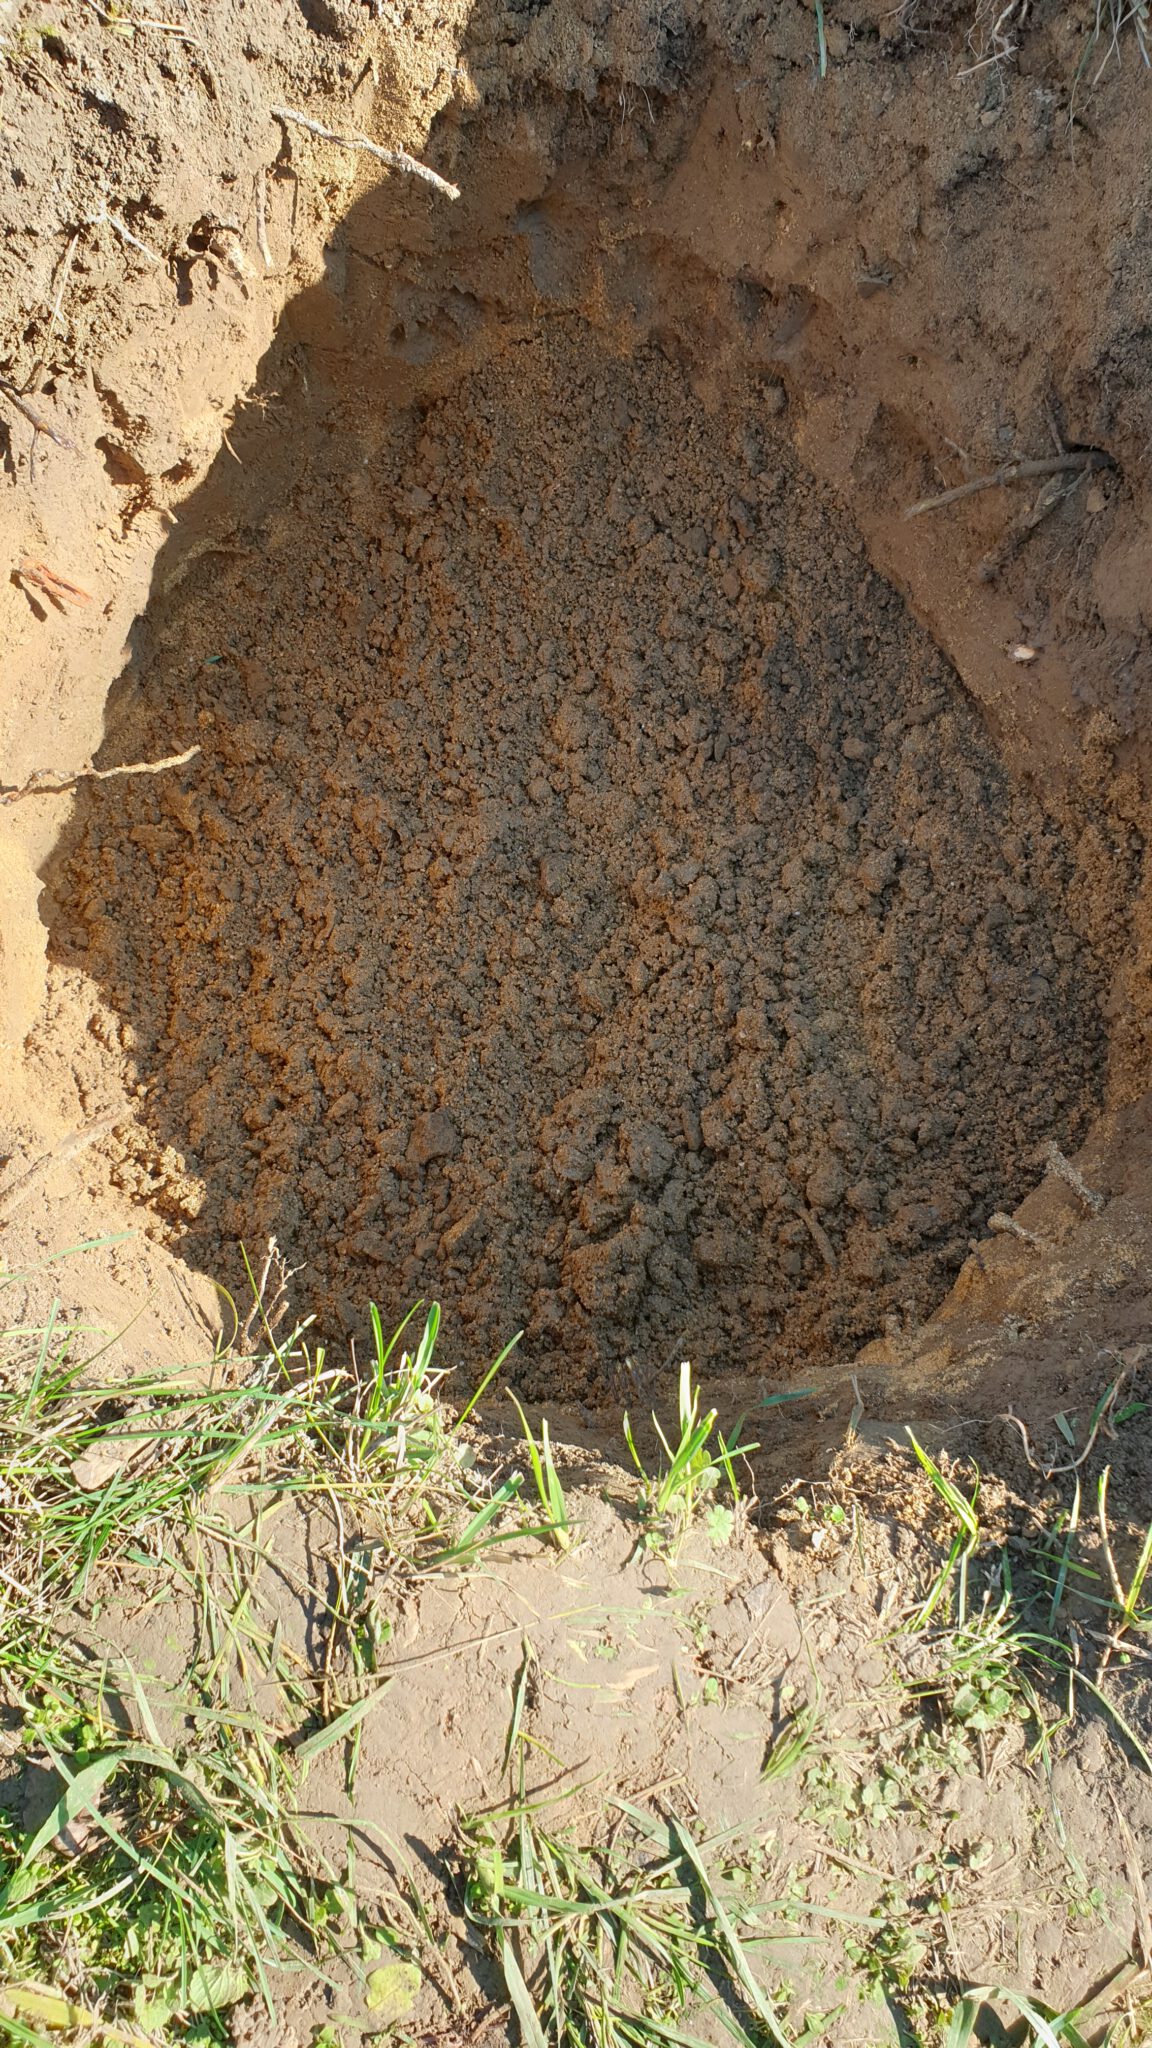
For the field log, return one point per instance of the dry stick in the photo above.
(34, 787)
(1013, 472)
(261, 225)
(112, 220)
(172, 28)
(17, 1192)
(396, 159)
(34, 417)
(1125, 1648)
(65, 274)
(1053, 1158)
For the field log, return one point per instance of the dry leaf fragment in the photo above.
(93, 1469)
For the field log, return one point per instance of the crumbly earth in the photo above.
(596, 897)
(794, 1019)
(594, 902)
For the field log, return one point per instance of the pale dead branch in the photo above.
(36, 786)
(396, 159)
(1014, 472)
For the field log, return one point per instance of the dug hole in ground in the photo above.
(575, 748)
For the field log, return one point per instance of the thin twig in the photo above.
(396, 159)
(1064, 1170)
(1014, 472)
(65, 274)
(121, 228)
(60, 590)
(1123, 1645)
(261, 226)
(36, 787)
(134, 21)
(17, 1192)
(271, 1312)
(34, 417)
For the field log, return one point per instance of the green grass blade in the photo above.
(531, 2032)
(738, 1961)
(488, 1378)
(341, 1727)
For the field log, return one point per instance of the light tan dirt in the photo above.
(666, 1684)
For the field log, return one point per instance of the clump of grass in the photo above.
(163, 1885)
(89, 1472)
(616, 1942)
(549, 1489)
(170, 1877)
(671, 1499)
(1113, 18)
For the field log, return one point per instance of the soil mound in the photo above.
(596, 901)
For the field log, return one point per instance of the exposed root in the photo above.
(1064, 1170)
(36, 786)
(1014, 472)
(396, 159)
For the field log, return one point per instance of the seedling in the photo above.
(964, 1542)
(549, 1490)
(793, 1746)
(670, 1500)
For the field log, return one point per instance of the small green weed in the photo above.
(549, 1490)
(984, 1676)
(671, 1499)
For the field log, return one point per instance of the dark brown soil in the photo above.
(595, 903)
